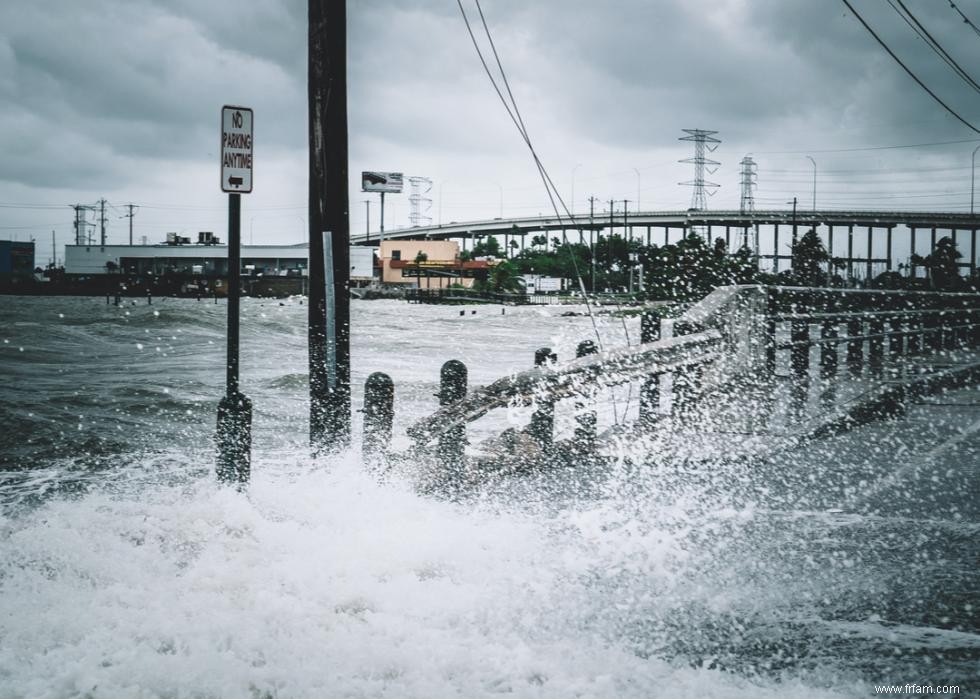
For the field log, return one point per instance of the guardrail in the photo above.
(734, 333)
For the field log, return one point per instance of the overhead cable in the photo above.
(907, 70)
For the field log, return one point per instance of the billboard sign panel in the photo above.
(236, 149)
(390, 182)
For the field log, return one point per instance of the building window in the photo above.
(396, 254)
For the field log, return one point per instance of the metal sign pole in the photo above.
(234, 434)
(234, 410)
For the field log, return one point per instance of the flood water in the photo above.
(125, 571)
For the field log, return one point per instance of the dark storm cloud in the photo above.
(111, 88)
(94, 90)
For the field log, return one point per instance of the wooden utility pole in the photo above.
(329, 274)
(102, 203)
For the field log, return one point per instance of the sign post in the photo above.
(234, 434)
(381, 182)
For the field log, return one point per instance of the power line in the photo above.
(859, 149)
(907, 70)
(917, 26)
(966, 19)
(517, 119)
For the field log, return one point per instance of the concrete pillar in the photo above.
(867, 279)
(912, 265)
(830, 253)
(850, 254)
(775, 248)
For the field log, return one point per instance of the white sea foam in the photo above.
(320, 581)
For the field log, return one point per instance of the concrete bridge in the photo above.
(864, 240)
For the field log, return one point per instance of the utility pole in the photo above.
(329, 273)
(593, 237)
(130, 217)
(102, 203)
(609, 242)
(54, 252)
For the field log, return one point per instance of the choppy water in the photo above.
(124, 571)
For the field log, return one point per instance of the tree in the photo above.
(808, 255)
(941, 264)
(487, 248)
(419, 259)
(504, 278)
(539, 241)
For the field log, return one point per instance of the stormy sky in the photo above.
(121, 99)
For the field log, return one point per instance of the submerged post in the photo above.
(379, 413)
(586, 429)
(452, 388)
(650, 389)
(542, 427)
(329, 234)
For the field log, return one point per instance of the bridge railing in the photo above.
(733, 337)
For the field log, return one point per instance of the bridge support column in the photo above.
(912, 265)
(542, 427)
(850, 255)
(855, 350)
(888, 249)
(452, 388)
(973, 252)
(728, 238)
(830, 254)
(775, 248)
(586, 429)
(650, 389)
(868, 272)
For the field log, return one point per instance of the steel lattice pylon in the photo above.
(749, 174)
(419, 202)
(703, 140)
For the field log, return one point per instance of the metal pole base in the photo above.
(234, 439)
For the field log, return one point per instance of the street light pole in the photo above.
(637, 189)
(571, 199)
(814, 162)
(367, 225)
(973, 176)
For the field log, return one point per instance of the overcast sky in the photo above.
(121, 99)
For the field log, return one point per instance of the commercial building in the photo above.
(429, 264)
(16, 262)
(206, 258)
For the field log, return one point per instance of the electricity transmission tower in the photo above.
(419, 202)
(82, 225)
(749, 174)
(703, 140)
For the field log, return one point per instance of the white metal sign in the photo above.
(236, 149)
(381, 182)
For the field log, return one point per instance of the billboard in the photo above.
(381, 182)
